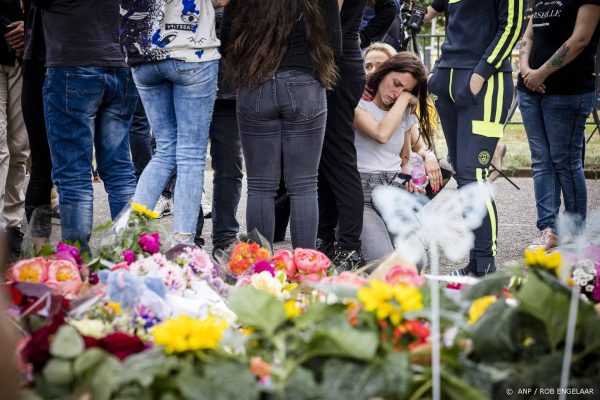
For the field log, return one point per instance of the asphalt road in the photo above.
(516, 210)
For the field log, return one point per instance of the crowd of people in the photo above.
(301, 93)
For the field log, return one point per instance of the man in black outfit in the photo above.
(340, 190)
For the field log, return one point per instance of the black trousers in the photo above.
(340, 190)
(472, 126)
(40, 183)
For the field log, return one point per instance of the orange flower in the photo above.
(259, 367)
(245, 255)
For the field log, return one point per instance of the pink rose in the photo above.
(347, 278)
(283, 260)
(64, 276)
(311, 261)
(401, 274)
(31, 270)
(150, 243)
(128, 256)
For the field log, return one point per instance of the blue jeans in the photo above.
(87, 108)
(178, 98)
(283, 119)
(555, 127)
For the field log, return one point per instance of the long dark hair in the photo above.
(408, 62)
(259, 39)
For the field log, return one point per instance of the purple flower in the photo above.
(63, 249)
(150, 243)
(129, 256)
(264, 266)
(596, 292)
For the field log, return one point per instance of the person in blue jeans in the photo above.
(174, 57)
(280, 54)
(89, 99)
(556, 91)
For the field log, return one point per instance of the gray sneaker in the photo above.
(164, 207)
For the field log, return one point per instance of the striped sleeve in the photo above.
(510, 24)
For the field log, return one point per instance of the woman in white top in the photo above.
(383, 133)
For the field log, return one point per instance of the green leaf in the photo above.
(58, 372)
(223, 380)
(143, 368)
(257, 309)
(28, 394)
(88, 360)
(494, 333)
(490, 286)
(67, 343)
(105, 378)
(454, 387)
(539, 300)
(301, 385)
(344, 342)
(318, 312)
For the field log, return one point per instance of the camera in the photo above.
(416, 18)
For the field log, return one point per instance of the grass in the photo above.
(518, 155)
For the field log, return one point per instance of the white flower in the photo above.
(589, 288)
(267, 283)
(90, 327)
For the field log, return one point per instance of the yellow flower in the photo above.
(184, 333)
(292, 309)
(409, 297)
(539, 258)
(528, 341)
(115, 307)
(376, 293)
(141, 209)
(479, 306)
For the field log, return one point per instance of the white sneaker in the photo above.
(164, 207)
(546, 240)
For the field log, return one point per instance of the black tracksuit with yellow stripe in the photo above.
(480, 35)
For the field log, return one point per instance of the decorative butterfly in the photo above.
(442, 226)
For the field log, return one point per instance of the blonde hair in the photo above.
(383, 47)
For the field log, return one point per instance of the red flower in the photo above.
(119, 344)
(37, 351)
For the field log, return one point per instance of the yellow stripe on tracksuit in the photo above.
(491, 127)
(509, 35)
(491, 212)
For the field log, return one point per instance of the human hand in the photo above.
(411, 99)
(534, 80)
(15, 37)
(434, 173)
(476, 83)
(411, 187)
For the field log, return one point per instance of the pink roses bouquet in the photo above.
(301, 265)
(60, 274)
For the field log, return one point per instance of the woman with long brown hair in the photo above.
(383, 138)
(280, 53)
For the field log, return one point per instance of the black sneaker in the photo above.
(14, 237)
(347, 260)
(327, 248)
(219, 249)
(465, 271)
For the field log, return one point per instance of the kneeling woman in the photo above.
(383, 140)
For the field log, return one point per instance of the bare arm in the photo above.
(219, 3)
(405, 153)
(341, 3)
(382, 131)
(431, 14)
(588, 16)
(525, 49)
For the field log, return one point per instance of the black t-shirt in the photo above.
(441, 6)
(553, 23)
(83, 33)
